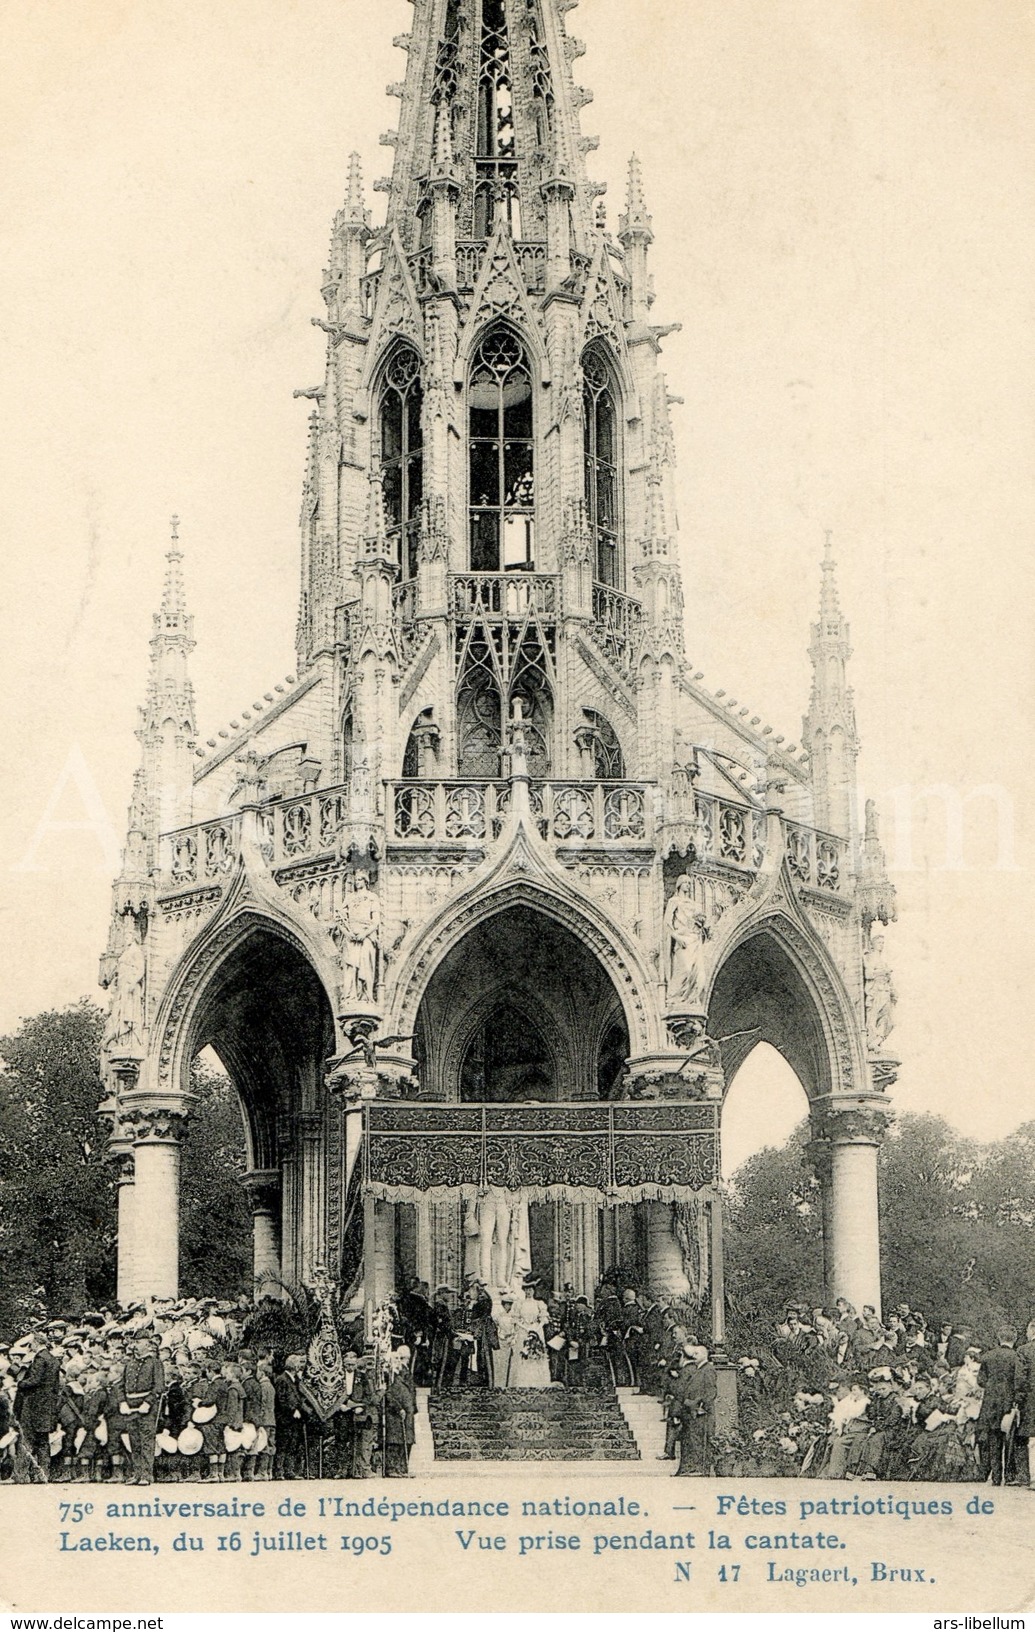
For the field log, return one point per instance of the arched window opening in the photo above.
(600, 443)
(507, 1061)
(496, 186)
(602, 757)
(347, 746)
(402, 456)
(502, 467)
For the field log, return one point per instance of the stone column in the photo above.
(844, 1154)
(291, 1267)
(126, 1282)
(384, 1249)
(262, 1188)
(313, 1190)
(665, 1273)
(156, 1132)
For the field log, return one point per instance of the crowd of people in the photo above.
(226, 1391)
(200, 1390)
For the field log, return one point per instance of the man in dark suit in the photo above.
(356, 1422)
(1002, 1378)
(697, 1415)
(37, 1401)
(290, 1420)
(140, 1395)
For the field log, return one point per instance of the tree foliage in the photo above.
(215, 1224)
(957, 1226)
(58, 1211)
(58, 1204)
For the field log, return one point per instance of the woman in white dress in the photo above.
(530, 1365)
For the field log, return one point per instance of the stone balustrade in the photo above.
(474, 812)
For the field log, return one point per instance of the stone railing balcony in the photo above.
(618, 618)
(819, 861)
(470, 812)
(734, 835)
(288, 830)
(196, 857)
(495, 596)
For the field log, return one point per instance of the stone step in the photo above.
(552, 1425)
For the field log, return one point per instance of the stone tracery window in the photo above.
(600, 446)
(502, 459)
(602, 741)
(496, 184)
(402, 455)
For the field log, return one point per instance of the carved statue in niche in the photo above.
(124, 1032)
(686, 930)
(880, 995)
(358, 933)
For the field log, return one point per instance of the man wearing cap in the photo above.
(140, 1395)
(36, 1402)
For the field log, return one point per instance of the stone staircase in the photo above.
(530, 1425)
(643, 1414)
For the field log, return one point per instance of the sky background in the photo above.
(845, 227)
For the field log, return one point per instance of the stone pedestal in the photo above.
(665, 1273)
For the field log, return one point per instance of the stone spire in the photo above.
(635, 234)
(499, 72)
(347, 261)
(828, 729)
(876, 893)
(167, 731)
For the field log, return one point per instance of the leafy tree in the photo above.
(773, 1235)
(215, 1224)
(58, 1209)
(957, 1227)
(57, 1221)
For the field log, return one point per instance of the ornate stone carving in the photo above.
(853, 1124)
(880, 994)
(153, 1125)
(357, 933)
(262, 1190)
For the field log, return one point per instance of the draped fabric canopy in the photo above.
(602, 1153)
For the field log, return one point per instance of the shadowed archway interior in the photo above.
(266, 1015)
(520, 1009)
(760, 997)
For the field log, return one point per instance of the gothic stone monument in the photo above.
(484, 907)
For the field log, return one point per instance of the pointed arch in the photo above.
(399, 392)
(424, 952)
(501, 453)
(774, 983)
(603, 462)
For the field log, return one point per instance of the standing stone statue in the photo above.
(124, 1033)
(880, 995)
(359, 935)
(685, 933)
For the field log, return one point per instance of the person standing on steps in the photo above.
(697, 1415)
